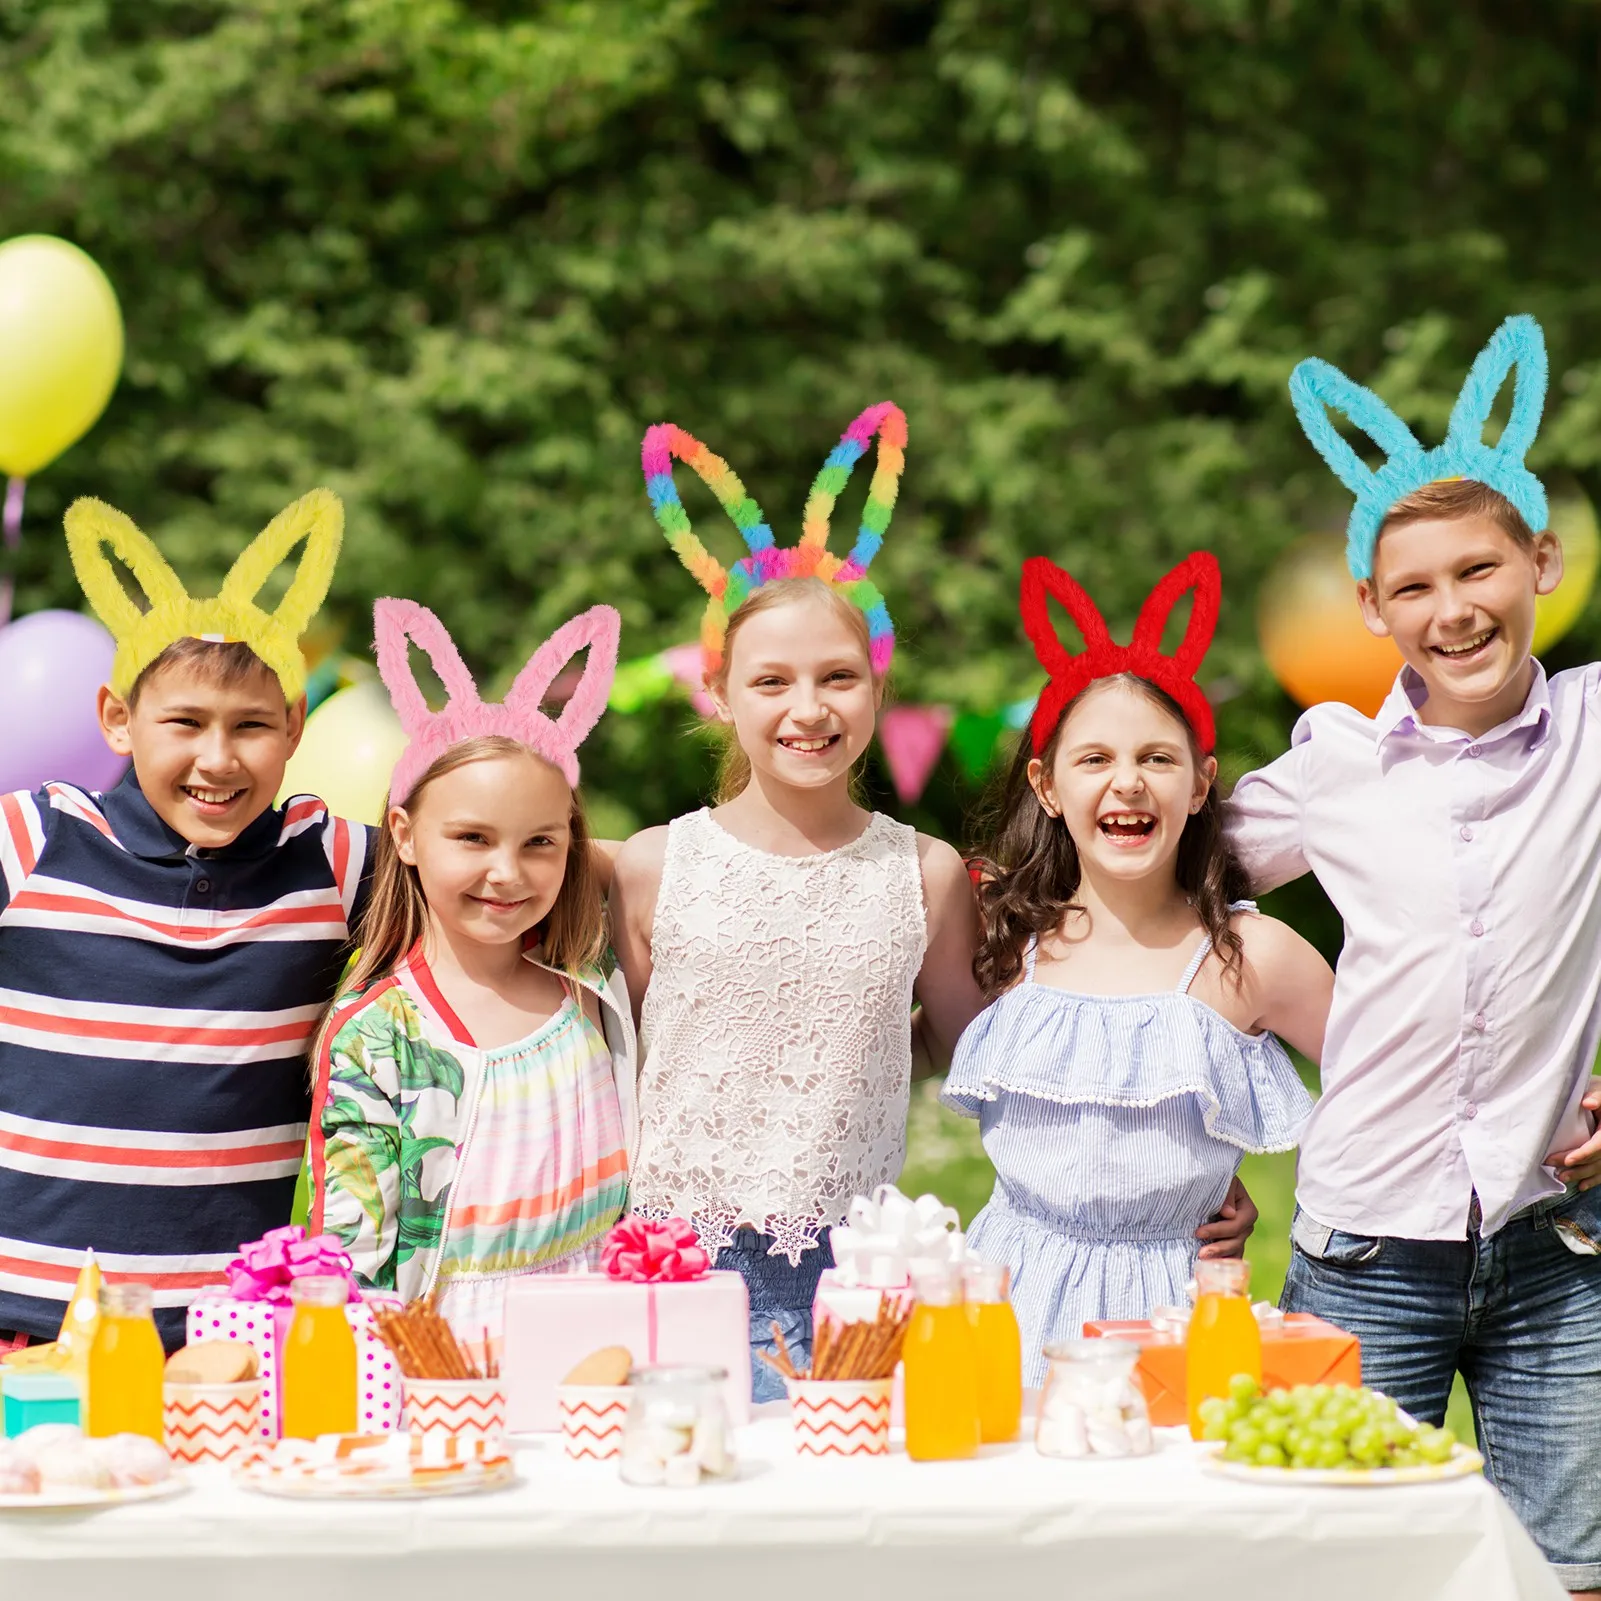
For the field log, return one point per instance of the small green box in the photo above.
(33, 1398)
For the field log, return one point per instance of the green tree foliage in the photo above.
(451, 258)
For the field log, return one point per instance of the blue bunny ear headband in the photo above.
(1317, 389)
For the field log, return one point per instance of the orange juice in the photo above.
(941, 1361)
(126, 1365)
(999, 1348)
(319, 1362)
(1223, 1338)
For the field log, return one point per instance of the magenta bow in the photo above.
(264, 1269)
(640, 1250)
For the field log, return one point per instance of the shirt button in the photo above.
(1470, 1111)
(202, 885)
(1473, 750)
(1465, 832)
(1479, 1021)
(1476, 928)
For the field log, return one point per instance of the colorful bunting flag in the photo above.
(913, 737)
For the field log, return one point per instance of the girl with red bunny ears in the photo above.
(1125, 1062)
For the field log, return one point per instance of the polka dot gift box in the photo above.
(255, 1307)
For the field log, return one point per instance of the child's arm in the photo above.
(635, 886)
(1262, 818)
(357, 1193)
(1582, 1164)
(1290, 986)
(949, 994)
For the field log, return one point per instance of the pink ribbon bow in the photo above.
(642, 1251)
(264, 1269)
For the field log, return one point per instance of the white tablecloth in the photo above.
(1009, 1526)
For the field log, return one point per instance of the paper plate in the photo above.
(77, 1495)
(496, 1475)
(1460, 1465)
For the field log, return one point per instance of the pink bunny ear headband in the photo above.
(465, 716)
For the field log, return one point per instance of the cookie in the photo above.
(608, 1366)
(212, 1362)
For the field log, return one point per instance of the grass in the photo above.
(944, 1156)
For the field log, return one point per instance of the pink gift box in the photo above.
(263, 1326)
(553, 1321)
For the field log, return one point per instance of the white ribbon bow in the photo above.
(886, 1235)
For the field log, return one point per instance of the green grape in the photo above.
(1214, 1409)
(1215, 1429)
(1330, 1454)
(1279, 1401)
(1366, 1446)
(1269, 1456)
(1246, 1439)
(1242, 1387)
(1275, 1429)
(1437, 1445)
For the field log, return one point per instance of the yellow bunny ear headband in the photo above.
(233, 615)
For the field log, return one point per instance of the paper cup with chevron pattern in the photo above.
(472, 1411)
(210, 1423)
(592, 1420)
(840, 1417)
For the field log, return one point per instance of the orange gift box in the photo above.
(1303, 1350)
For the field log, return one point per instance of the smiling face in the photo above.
(209, 751)
(1457, 597)
(1124, 779)
(489, 842)
(799, 691)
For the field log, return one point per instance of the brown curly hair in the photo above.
(1030, 872)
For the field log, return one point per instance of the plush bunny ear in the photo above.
(1517, 346)
(1200, 572)
(1043, 579)
(888, 422)
(661, 444)
(598, 630)
(91, 524)
(398, 623)
(1317, 389)
(319, 519)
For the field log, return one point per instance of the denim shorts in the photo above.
(779, 1293)
(1519, 1316)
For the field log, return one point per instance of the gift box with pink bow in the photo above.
(256, 1307)
(655, 1294)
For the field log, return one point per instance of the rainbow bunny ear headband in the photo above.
(233, 615)
(465, 716)
(1317, 388)
(1072, 672)
(766, 562)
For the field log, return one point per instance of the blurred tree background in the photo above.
(452, 256)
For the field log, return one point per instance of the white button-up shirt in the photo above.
(1465, 1015)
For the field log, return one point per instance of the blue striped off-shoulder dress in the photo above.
(1115, 1124)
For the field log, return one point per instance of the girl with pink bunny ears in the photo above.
(474, 1101)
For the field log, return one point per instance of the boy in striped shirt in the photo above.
(167, 948)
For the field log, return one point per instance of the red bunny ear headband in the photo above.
(1100, 658)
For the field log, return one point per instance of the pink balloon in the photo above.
(51, 664)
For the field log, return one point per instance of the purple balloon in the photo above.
(51, 665)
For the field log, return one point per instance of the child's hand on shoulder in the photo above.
(1582, 1164)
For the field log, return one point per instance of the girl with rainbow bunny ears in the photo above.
(1124, 1063)
(777, 940)
(474, 1103)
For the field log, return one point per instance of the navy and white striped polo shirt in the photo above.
(156, 1000)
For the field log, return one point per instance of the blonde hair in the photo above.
(573, 934)
(1451, 498)
(733, 768)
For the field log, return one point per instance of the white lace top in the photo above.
(777, 1030)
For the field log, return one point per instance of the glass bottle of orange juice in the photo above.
(1223, 1338)
(999, 1347)
(319, 1361)
(941, 1366)
(126, 1365)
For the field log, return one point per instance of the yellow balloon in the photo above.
(60, 349)
(351, 744)
(1573, 522)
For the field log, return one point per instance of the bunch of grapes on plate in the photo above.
(1326, 1426)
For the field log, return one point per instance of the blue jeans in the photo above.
(781, 1294)
(1519, 1316)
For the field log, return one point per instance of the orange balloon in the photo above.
(1312, 633)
